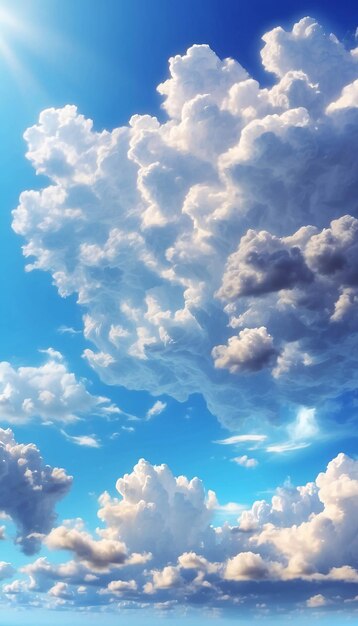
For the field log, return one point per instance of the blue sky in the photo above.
(195, 307)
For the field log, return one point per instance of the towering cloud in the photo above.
(29, 490)
(158, 513)
(214, 252)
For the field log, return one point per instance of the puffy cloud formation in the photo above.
(158, 513)
(250, 351)
(316, 601)
(158, 544)
(97, 554)
(47, 393)
(29, 490)
(214, 252)
(328, 538)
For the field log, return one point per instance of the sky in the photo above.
(179, 243)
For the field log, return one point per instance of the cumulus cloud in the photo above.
(49, 393)
(246, 566)
(288, 506)
(328, 538)
(29, 490)
(158, 512)
(236, 212)
(158, 544)
(245, 461)
(316, 601)
(98, 554)
(249, 352)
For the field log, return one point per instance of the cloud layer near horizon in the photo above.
(214, 252)
(157, 543)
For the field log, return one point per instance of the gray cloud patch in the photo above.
(29, 490)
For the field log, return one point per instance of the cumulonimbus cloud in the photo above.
(214, 252)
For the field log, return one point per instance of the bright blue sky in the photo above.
(107, 59)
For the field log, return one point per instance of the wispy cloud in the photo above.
(237, 439)
(287, 446)
(301, 432)
(89, 441)
(52, 353)
(245, 461)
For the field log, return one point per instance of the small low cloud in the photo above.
(316, 601)
(48, 393)
(245, 461)
(68, 330)
(89, 441)
(157, 408)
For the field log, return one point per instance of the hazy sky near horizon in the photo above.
(179, 337)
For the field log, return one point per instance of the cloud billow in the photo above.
(234, 219)
(48, 393)
(158, 543)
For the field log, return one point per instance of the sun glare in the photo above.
(9, 22)
(15, 36)
(10, 27)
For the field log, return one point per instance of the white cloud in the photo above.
(157, 544)
(305, 426)
(157, 512)
(247, 566)
(250, 351)
(98, 554)
(53, 354)
(328, 537)
(245, 461)
(89, 441)
(348, 99)
(118, 587)
(316, 601)
(48, 393)
(157, 408)
(60, 590)
(239, 439)
(166, 578)
(239, 209)
(69, 330)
